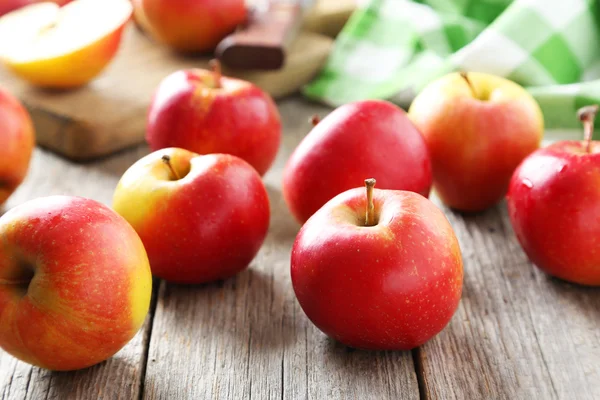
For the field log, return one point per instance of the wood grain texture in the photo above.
(518, 333)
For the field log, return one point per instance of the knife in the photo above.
(263, 42)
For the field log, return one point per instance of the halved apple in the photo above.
(64, 47)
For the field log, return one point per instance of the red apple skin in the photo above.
(554, 208)
(355, 141)
(392, 286)
(191, 25)
(207, 226)
(189, 112)
(75, 282)
(7, 6)
(476, 144)
(17, 138)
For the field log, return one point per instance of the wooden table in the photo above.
(518, 334)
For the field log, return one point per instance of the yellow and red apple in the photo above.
(478, 128)
(190, 25)
(204, 112)
(17, 139)
(201, 218)
(75, 282)
(62, 47)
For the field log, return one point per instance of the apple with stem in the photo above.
(75, 282)
(201, 218)
(62, 47)
(478, 128)
(382, 271)
(365, 138)
(554, 206)
(205, 112)
(17, 138)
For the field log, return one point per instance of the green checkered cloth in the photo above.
(391, 49)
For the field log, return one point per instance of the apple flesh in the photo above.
(75, 282)
(204, 112)
(366, 138)
(388, 284)
(63, 47)
(201, 218)
(554, 207)
(17, 138)
(190, 25)
(478, 128)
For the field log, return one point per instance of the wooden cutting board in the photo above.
(110, 113)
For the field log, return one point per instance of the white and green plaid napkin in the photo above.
(391, 49)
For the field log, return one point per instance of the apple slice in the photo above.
(63, 47)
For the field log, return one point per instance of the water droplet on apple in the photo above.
(527, 183)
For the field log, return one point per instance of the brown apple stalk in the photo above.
(215, 66)
(314, 120)
(370, 215)
(466, 78)
(587, 115)
(167, 160)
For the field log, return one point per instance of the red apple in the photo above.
(366, 138)
(201, 218)
(478, 128)
(75, 283)
(190, 25)
(554, 207)
(203, 112)
(63, 47)
(17, 139)
(382, 271)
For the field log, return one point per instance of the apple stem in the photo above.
(370, 214)
(215, 66)
(314, 120)
(167, 160)
(587, 115)
(465, 76)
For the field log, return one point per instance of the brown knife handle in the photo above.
(262, 43)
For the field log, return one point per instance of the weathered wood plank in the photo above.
(121, 376)
(248, 338)
(518, 334)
